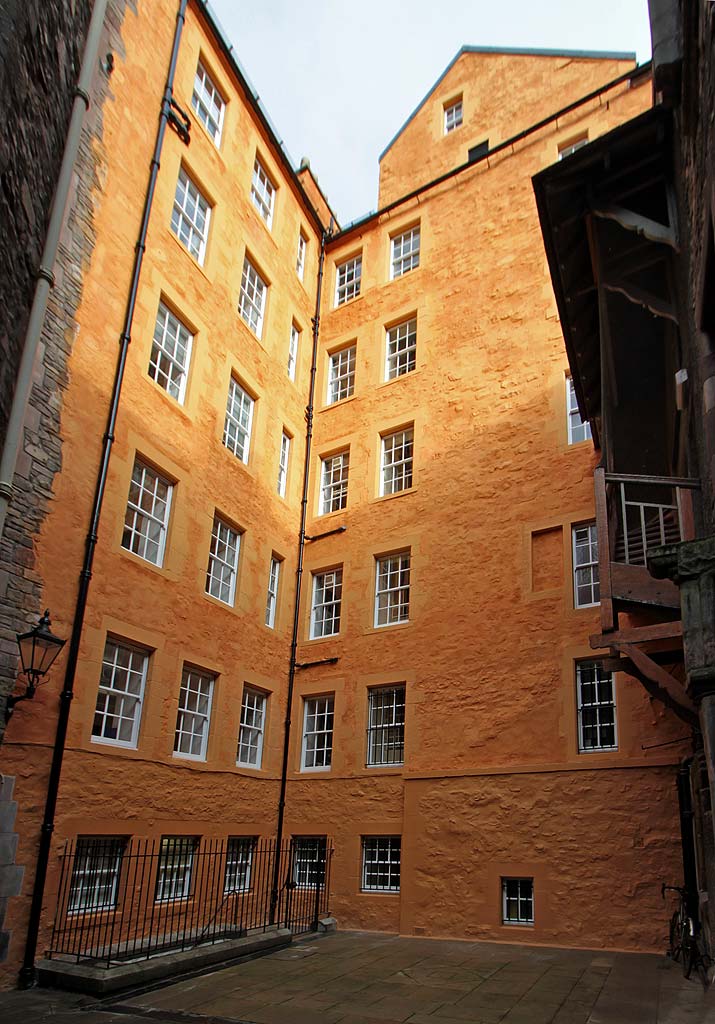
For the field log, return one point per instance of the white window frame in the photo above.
(191, 215)
(397, 467)
(328, 581)
(334, 473)
(520, 919)
(307, 851)
(129, 704)
(252, 728)
(392, 594)
(570, 147)
(208, 104)
(401, 348)
(96, 871)
(137, 521)
(222, 569)
(167, 366)
(263, 193)
(239, 863)
(341, 374)
(378, 862)
(576, 426)
(585, 570)
(293, 346)
(196, 692)
(386, 726)
(405, 252)
(348, 279)
(318, 731)
(301, 254)
(453, 116)
(283, 463)
(598, 678)
(176, 861)
(274, 574)
(239, 420)
(252, 297)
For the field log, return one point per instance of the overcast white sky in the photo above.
(339, 78)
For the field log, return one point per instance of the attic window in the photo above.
(453, 116)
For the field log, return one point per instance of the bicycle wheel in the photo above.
(675, 936)
(689, 948)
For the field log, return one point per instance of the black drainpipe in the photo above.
(168, 115)
(298, 580)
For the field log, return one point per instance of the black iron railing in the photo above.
(123, 899)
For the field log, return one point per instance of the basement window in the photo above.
(239, 855)
(517, 900)
(95, 873)
(381, 863)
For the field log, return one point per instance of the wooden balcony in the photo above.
(635, 514)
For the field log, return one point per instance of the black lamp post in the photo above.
(38, 650)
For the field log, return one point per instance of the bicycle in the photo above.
(683, 936)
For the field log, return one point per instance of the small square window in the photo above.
(252, 298)
(596, 702)
(401, 349)
(381, 863)
(272, 597)
(208, 104)
(334, 482)
(147, 517)
(263, 192)
(405, 252)
(386, 726)
(317, 752)
(347, 280)
(517, 900)
(392, 589)
(341, 374)
(579, 430)
(239, 419)
(397, 457)
(121, 691)
(170, 353)
(327, 601)
(223, 562)
(453, 116)
(586, 587)
(194, 714)
(190, 217)
(250, 734)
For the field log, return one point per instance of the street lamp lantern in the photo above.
(38, 649)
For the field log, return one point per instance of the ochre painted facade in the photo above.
(493, 784)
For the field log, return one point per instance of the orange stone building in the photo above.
(474, 768)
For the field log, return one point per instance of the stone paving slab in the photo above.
(363, 978)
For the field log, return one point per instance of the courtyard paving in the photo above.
(362, 978)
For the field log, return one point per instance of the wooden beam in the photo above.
(644, 299)
(660, 684)
(660, 631)
(653, 230)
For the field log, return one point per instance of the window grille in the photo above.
(586, 586)
(223, 562)
(518, 900)
(309, 861)
(341, 374)
(272, 598)
(386, 726)
(95, 873)
(381, 863)
(250, 733)
(121, 691)
(263, 192)
(348, 278)
(190, 217)
(194, 714)
(405, 252)
(147, 516)
(596, 704)
(170, 353)
(397, 455)
(208, 104)
(334, 482)
(239, 418)
(327, 598)
(252, 298)
(401, 349)
(175, 868)
(317, 733)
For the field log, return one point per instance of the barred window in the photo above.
(194, 714)
(300, 258)
(190, 217)
(263, 192)
(579, 430)
(397, 455)
(596, 703)
(309, 855)
(121, 691)
(293, 343)
(392, 589)
(517, 900)
(208, 104)
(95, 873)
(250, 733)
(401, 349)
(252, 298)
(334, 482)
(381, 863)
(170, 353)
(405, 252)
(147, 517)
(283, 464)
(586, 586)
(272, 597)
(452, 116)
(347, 280)
(341, 374)
(317, 750)
(386, 725)
(239, 417)
(327, 598)
(239, 857)
(175, 868)
(223, 562)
